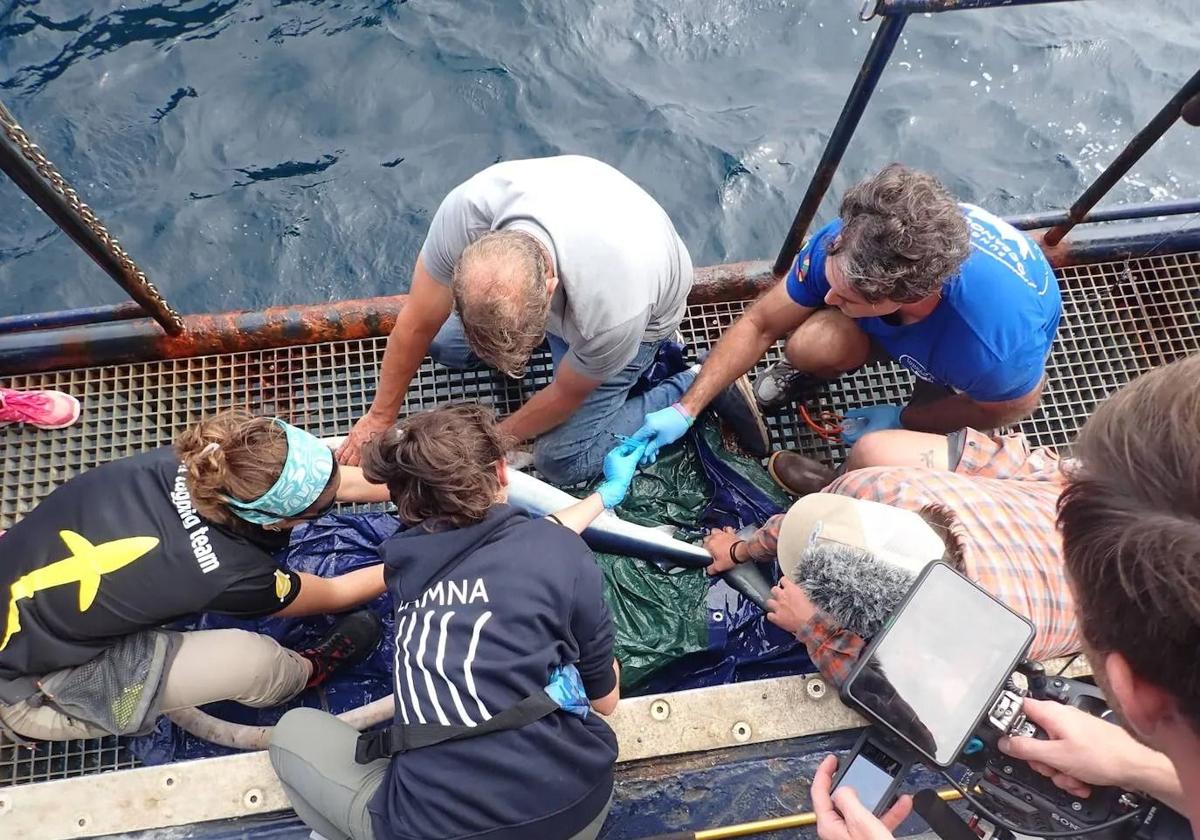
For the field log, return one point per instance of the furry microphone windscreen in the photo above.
(853, 586)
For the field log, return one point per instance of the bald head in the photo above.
(501, 293)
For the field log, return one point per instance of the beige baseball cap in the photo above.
(893, 535)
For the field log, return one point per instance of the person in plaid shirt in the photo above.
(989, 502)
(1129, 515)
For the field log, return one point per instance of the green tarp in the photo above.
(660, 616)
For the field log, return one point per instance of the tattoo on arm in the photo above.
(927, 458)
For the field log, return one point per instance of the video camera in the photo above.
(940, 685)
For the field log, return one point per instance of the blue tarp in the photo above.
(675, 630)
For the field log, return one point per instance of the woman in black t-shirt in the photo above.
(504, 647)
(89, 577)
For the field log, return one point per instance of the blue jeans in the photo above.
(574, 451)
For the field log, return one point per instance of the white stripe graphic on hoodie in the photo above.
(396, 671)
(441, 656)
(406, 627)
(470, 680)
(433, 698)
(412, 689)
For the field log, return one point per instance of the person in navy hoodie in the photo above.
(504, 649)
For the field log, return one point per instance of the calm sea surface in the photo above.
(256, 153)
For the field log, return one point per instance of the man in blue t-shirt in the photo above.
(962, 299)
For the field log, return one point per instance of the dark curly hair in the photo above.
(903, 235)
(440, 465)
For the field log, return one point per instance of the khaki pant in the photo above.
(209, 665)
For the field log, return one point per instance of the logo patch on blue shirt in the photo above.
(993, 236)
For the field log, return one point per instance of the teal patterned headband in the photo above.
(305, 475)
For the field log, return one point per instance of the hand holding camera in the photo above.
(1080, 750)
(951, 700)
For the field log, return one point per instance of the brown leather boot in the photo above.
(798, 474)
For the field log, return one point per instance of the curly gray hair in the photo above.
(903, 235)
(499, 288)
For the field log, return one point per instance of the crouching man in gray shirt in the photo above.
(565, 250)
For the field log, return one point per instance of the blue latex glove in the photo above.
(620, 465)
(871, 418)
(662, 428)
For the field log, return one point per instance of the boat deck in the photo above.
(1120, 319)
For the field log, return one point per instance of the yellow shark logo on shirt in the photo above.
(85, 566)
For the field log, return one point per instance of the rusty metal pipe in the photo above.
(230, 332)
(731, 281)
(279, 326)
(283, 326)
(1121, 241)
(1130, 155)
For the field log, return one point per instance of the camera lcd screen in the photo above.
(936, 668)
(870, 774)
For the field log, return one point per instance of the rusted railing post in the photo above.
(860, 94)
(32, 171)
(1130, 155)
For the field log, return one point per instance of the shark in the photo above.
(86, 565)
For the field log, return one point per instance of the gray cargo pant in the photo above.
(208, 665)
(313, 754)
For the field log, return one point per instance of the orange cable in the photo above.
(829, 427)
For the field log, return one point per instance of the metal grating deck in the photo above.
(1119, 320)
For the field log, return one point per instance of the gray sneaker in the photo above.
(780, 385)
(736, 407)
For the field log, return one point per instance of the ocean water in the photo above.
(250, 153)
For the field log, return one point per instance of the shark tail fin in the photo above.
(88, 587)
(76, 543)
(89, 584)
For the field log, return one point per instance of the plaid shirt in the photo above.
(832, 649)
(1001, 500)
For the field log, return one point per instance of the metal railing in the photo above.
(1131, 154)
(895, 14)
(30, 169)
